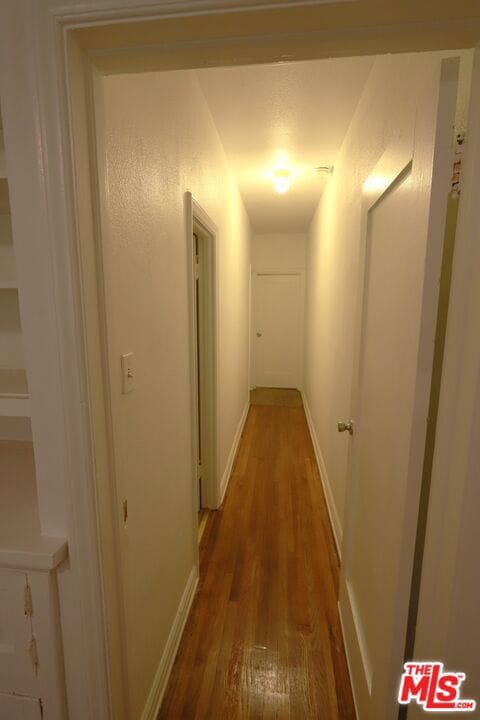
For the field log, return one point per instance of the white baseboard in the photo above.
(355, 650)
(327, 489)
(231, 458)
(347, 654)
(155, 696)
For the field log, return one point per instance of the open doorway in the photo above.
(200, 242)
(203, 313)
(53, 215)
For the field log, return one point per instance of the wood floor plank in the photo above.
(263, 639)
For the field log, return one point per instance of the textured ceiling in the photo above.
(296, 113)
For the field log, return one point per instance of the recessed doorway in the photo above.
(202, 238)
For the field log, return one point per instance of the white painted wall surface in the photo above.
(160, 142)
(279, 251)
(385, 112)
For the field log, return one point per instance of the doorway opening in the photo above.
(201, 256)
(202, 239)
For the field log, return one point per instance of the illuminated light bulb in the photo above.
(281, 180)
(281, 185)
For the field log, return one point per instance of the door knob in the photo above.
(345, 426)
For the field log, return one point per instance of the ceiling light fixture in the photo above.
(281, 180)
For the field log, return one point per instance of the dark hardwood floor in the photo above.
(263, 639)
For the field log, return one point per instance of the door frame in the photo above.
(455, 466)
(270, 270)
(46, 204)
(197, 216)
(392, 166)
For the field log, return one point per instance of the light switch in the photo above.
(128, 373)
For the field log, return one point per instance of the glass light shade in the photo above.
(281, 185)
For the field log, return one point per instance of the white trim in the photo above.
(327, 488)
(455, 463)
(196, 215)
(91, 225)
(90, 15)
(250, 328)
(233, 452)
(347, 655)
(278, 270)
(359, 635)
(162, 675)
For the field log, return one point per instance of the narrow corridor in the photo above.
(263, 639)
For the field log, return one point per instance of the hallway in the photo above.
(263, 639)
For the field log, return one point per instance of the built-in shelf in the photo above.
(4, 197)
(14, 399)
(22, 544)
(3, 159)
(15, 427)
(8, 272)
(13, 381)
(3, 163)
(8, 285)
(11, 343)
(14, 406)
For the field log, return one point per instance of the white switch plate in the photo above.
(128, 373)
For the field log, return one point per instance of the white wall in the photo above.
(161, 142)
(385, 111)
(279, 251)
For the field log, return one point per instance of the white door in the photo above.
(404, 217)
(277, 310)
